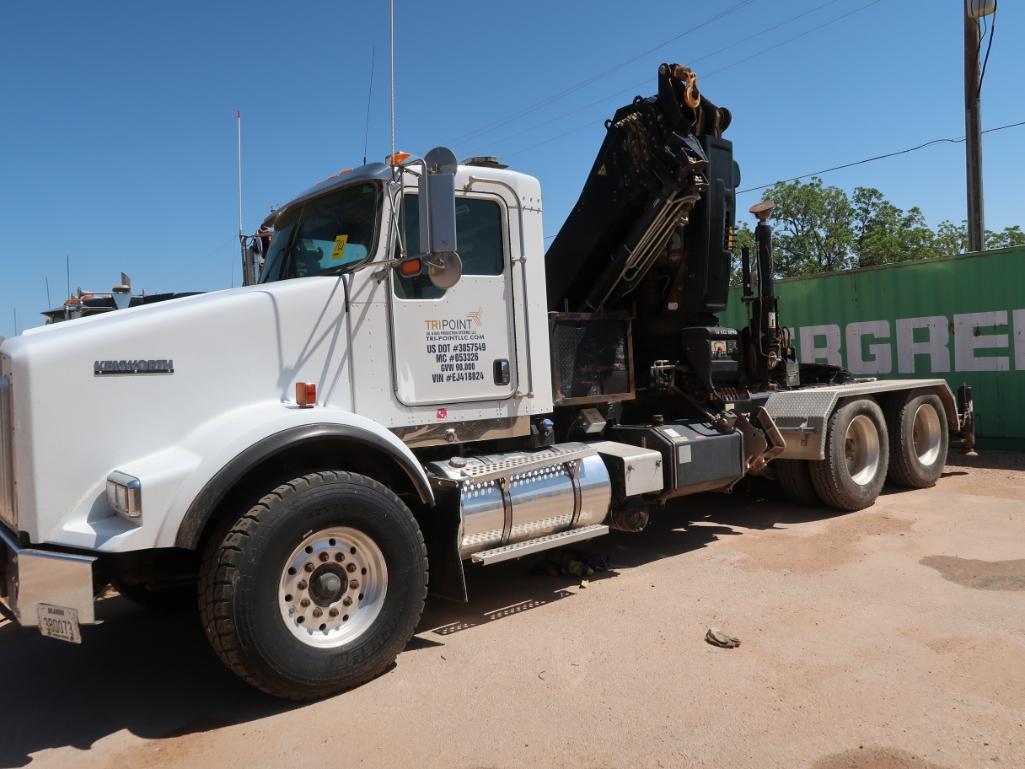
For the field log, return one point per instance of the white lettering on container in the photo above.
(810, 352)
(880, 360)
(1019, 339)
(968, 338)
(935, 345)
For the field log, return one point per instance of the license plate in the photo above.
(59, 622)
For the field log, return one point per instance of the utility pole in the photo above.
(973, 11)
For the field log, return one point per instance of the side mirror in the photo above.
(437, 200)
(444, 268)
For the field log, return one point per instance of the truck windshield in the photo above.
(326, 235)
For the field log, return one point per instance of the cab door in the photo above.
(457, 345)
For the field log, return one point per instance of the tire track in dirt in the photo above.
(875, 758)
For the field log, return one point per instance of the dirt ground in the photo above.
(892, 638)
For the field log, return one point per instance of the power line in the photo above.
(795, 37)
(604, 73)
(989, 47)
(633, 88)
(710, 74)
(878, 157)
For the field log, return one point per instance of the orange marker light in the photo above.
(411, 268)
(306, 394)
(398, 158)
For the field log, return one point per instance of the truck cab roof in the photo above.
(382, 172)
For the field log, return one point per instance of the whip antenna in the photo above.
(238, 127)
(241, 231)
(391, 6)
(370, 97)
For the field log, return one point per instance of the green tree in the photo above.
(823, 229)
(950, 238)
(883, 233)
(1006, 238)
(813, 228)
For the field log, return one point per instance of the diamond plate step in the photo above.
(520, 549)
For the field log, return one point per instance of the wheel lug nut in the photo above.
(354, 584)
(351, 567)
(333, 612)
(304, 602)
(347, 601)
(324, 556)
(339, 557)
(317, 612)
(308, 566)
(302, 584)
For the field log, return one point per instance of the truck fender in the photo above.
(205, 504)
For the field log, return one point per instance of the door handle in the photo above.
(501, 371)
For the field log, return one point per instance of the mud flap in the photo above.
(441, 534)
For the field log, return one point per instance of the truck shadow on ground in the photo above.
(513, 587)
(155, 676)
(152, 674)
(690, 523)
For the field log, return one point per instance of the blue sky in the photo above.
(117, 131)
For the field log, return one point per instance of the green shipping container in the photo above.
(961, 318)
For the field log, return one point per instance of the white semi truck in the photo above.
(413, 386)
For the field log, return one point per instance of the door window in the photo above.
(479, 239)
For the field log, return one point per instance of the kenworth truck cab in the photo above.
(414, 387)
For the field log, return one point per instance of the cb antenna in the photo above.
(241, 232)
(238, 125)
(370, 97)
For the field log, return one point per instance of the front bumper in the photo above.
(29, 577)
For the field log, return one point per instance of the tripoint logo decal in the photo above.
(455, 347)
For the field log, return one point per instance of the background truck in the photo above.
(415, 385)
(82, 304)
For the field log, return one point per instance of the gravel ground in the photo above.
(892, 638)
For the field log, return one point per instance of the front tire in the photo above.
(317, 588)
(918, 440)
(857, 456)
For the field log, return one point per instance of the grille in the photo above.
(8, 509)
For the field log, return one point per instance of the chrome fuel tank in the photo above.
(521, 495)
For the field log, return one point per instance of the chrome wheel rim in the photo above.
(861, 449)
(332, 587)
(927, 434)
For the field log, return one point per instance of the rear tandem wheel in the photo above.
(857, 456)
(918, 439)
(794, 476)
